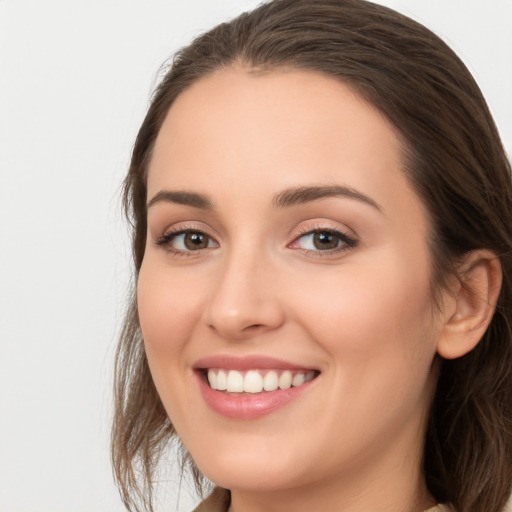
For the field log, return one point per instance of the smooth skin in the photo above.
(340, 283)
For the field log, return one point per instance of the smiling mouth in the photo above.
(257, 380)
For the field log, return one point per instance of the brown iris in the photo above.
(324, 240)
(194, 241)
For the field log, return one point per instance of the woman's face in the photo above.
(285, 248)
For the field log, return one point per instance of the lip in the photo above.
(248, 406)
(248, 363)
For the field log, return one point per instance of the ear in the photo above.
(469, 307)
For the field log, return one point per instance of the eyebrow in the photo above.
(193, 199)
(285, 199)
(300, 195)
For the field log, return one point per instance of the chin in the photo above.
(251, 470)
(250, 479)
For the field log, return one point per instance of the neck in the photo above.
(352, 498)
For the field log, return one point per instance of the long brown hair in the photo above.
(455, 162)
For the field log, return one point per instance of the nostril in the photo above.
(248, 328)
(246, 319)
(253, 327)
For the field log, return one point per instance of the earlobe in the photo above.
(472, 305)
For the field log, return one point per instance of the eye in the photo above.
(324, 240)
(186, 241)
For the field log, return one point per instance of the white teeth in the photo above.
(222, 380)
(235, 382)
(298, 379)
(212, 379)
(253, 382)
(256, 381)
(285, 380)
(270, 381)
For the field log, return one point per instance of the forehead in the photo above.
(273, 131)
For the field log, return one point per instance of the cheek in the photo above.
(378, 317)
(167, 310)
(376, 327)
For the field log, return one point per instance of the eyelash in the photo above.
(167, 238)
(347, 241)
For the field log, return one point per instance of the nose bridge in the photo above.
(243, 301)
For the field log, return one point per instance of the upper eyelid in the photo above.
(173, 233)
(187, 226)
(343, 235)
(304, 228)
(325, 225)
(162, 237)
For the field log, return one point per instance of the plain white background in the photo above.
(75, 79)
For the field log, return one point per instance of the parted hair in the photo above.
(455, 162)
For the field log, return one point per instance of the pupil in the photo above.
(195, 241)
(325, 240)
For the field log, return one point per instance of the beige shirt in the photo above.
(219, 499)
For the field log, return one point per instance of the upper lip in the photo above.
(252, 362)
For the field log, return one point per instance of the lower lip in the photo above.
(249, 406)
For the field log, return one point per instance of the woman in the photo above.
(322, 245)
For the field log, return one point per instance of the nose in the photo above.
(244, 301)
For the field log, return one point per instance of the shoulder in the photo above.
(217, 501)
(441, 508)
